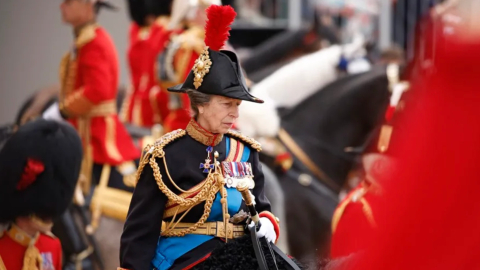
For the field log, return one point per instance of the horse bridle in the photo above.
(306, 160)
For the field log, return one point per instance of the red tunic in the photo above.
(13, 248)
(147, 102)
(190, 44)
(89, 88)
(353, 223)
(431, 219)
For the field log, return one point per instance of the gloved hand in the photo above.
(53, 113)
(266, 229)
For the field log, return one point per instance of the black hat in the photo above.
(140, 9)
(217, 72)
(39, 169)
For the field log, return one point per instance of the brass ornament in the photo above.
(201, 68)
(384, 138)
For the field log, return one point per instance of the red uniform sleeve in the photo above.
(95, 75)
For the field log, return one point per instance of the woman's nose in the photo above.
(234, 112)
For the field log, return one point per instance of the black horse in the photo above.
(317, 132)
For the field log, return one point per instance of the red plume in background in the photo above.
(218, 26)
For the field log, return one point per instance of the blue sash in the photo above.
(171, 248)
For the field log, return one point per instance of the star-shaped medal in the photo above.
(207, 166)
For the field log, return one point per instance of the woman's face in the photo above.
(219, 114)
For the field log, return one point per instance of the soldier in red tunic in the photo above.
(354, 221)
(183, 50)
(146, 103)
(431, 218)
(39, 168)
(89, 83)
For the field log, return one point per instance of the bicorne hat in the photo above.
(216, 71)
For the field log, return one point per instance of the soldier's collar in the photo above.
(85, 34)
(20, 236)
(202, 135)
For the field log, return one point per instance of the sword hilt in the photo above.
(243, 189)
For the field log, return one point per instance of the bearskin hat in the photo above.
(140, 9)
(39, 169)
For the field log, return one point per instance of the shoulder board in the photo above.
(192, 39)
(167, 139)
(250, 141)
(162, 21)
(50, 234)
(86, 35)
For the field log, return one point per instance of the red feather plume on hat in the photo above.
(218, 26)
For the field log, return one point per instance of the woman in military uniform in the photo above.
(185, 203)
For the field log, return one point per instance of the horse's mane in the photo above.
(343, 114)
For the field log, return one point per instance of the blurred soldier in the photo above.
(39, 168)
(89, 78)
(183, 50)
(354, 220)
(147, 102)
(431, 217)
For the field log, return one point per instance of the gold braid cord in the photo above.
(206, 191)
(32, 259)
(2, 265)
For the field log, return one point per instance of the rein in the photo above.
(306, 160)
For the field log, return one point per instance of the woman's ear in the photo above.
(201, 109)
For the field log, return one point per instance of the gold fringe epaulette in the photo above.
(156, 150)
(168, 138)
(250, 141)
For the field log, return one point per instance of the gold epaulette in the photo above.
(192, 39)
(162, 21)
(156, 150)
(250, 141)
(168, 138)
(86, 35)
